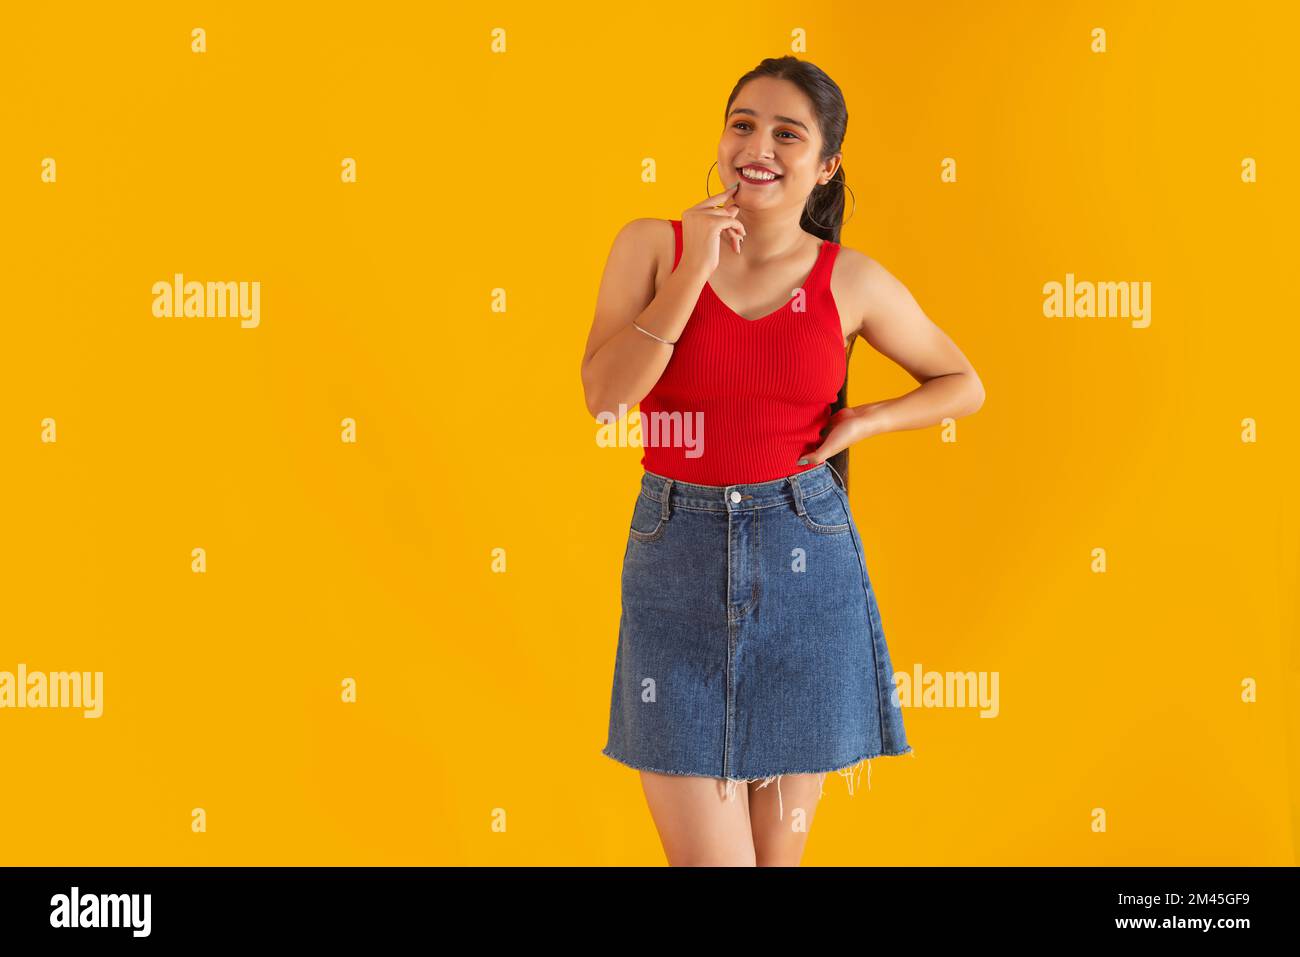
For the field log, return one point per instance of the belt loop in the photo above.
(837, 475)
(667, 495)
(797, 493)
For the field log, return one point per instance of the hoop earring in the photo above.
(843, 183)
(706, 179)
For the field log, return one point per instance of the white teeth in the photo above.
(755, 174)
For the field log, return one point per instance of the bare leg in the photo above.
(698, 826)
(780, 820)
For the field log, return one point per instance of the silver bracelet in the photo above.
(653, 336)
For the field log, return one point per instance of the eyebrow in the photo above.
(782, 119)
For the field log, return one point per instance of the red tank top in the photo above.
(742, 399)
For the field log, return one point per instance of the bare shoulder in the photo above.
(861, 270)
(646, 235)
(855, 278)
(646, 227)
(850, 260)
(642, 248)
(871, 293)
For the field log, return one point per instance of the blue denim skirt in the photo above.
(750, 643)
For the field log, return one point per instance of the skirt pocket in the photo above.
(825, 513)
(647, 523)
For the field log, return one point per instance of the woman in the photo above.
(750, 646)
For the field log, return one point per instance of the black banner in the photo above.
(94, 906)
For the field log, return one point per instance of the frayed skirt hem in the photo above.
(846, 771)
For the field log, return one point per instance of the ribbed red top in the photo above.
(742, 399)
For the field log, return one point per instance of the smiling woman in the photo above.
(751, 651)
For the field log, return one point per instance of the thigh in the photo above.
(698, 825)
(780, 819)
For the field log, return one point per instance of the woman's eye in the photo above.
(736, 126)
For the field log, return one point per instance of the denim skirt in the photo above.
(750, 644)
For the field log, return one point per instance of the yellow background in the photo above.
(481, 170)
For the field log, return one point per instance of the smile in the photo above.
(758, 177)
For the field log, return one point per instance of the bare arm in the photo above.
(621, 365)
(896, 327)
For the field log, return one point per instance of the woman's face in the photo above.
(771, 125)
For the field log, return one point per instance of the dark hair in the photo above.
(823, 214)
